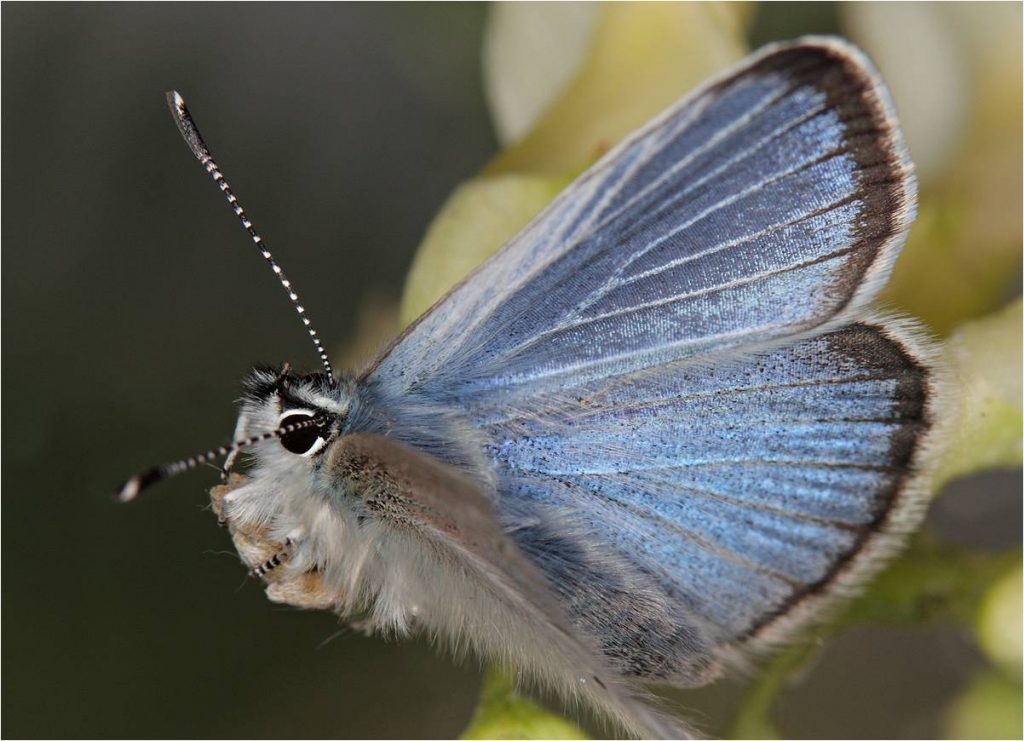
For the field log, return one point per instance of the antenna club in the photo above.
(134, 486)
(174, 99)
(129, 490)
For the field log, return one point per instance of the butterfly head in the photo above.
(310, 409)
(287, 420)
(303, 413)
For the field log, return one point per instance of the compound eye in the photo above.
(305, 441)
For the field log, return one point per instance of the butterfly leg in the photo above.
(281, 556)
(305, 588)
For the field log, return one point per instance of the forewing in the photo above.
(453, 520)
(752, 490)
(769, 203)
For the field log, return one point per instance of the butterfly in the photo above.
(657, 433)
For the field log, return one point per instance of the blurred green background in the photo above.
(132, 303)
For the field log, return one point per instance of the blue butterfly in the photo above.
(659, 431)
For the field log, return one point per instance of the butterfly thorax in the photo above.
(302, 513)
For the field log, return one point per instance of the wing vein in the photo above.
(724, 133)
(745, 239)
(709, 290)
(707, 178)
(705, 544)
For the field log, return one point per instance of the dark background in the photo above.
(132, 304)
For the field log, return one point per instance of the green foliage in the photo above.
(985, 356)
(931, 581)
(989, 708)
(504, 713)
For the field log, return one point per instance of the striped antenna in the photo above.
(133, 486)
(195, 142)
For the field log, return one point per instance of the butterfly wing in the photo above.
(700, 451)
(770, 202)
(751, 490)
(415, 494)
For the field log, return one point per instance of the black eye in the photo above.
(304, 441)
